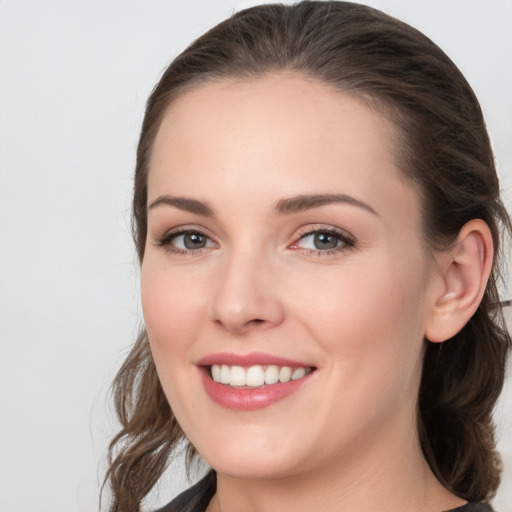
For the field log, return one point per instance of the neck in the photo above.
(391, 474)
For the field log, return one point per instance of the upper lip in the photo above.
(251, 359)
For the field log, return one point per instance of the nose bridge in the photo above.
(246, 297)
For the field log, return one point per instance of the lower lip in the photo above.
(249, 399)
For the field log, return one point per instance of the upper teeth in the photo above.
(255, 375)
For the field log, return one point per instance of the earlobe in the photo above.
(465, 270)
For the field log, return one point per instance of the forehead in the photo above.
(293, 106)
(281, 134)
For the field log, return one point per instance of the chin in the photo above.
(257, 468)
(258, 460)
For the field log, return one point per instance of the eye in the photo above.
(321, 241)
(324, 241)
(185, 241)
(190, 241)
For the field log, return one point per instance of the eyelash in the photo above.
(167, 239)
(346, 240)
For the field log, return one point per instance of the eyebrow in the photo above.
(184, 203)
(285, 206)
(308, 201)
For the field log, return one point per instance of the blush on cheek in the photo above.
(172, 318)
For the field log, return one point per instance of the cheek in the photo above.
(370, 328)
(171, 308)
(371, 312)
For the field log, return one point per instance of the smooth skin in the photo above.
(347, 287)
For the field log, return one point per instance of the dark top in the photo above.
(197, 498)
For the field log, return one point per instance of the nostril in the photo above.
(253, 321)
(256, 321)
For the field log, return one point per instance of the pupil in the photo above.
(325, 241)
(194, 241)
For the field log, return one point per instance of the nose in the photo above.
(247, 295)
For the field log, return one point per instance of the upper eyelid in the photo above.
(169, 235)
(186, 228)
(319, 228)
(347, 240)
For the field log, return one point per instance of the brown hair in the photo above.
(444, 151)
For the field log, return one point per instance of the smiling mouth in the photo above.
(257, 375)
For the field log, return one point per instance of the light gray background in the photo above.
(74, 76)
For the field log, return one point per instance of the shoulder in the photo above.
(195, 498)
(473, 507)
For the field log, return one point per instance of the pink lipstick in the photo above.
(251, 381)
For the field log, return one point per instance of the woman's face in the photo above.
(283, 243)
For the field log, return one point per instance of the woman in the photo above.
(317, 216)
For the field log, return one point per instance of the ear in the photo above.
(464, 272)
